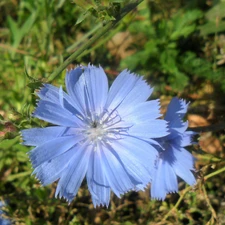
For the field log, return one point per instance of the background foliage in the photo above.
(179, 46)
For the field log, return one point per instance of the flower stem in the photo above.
(213, 212)
(214, 173)
(186, 190)
(103, 30)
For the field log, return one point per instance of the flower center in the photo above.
(106, 128)
(96, 131)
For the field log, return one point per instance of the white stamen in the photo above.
(105, 128)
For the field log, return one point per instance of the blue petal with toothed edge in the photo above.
(177, 106)
(127, 90)
(79, 92)
(144, 111)
(170, 178)
(137, 156)
(52, 113)
(51, 170)
(90, 89)
(72, 77)
(53, 148)
(38, 136)
(118, 177)
(187, 138)
(96, 86)
(177, 154)
(184, 165)
(149, 129)
(176, 129)
(184, 174)
(72, 177)
(56, 95)
(174, 117)
(96, 180)
(164, 181)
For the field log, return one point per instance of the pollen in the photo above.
(96, 132)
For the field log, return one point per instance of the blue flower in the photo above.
(173, 160)
(3, 221)
(101, 133)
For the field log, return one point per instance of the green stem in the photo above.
(214, 173)
(83, 39)
(185, 191)
(213, 212)
(177, 203)
(83, 48)
(102, 41)
(109, 25)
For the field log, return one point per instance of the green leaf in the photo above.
(1, 117)
(85, 4)
(12, 177)
(7, 144)
(18, 33)
(14, 29)
(216, 11)
(35, 85)
(212, 27)
(184, 32)
(83, 16)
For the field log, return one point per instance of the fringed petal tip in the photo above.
(162, 198)
(158, 198)
(42, 85)
(183, 106)
(36, 178)
(188, 138)
(176, 107)
(22, 138)
(34, 113)
(75, 71)
(68, 198)
(82, 67)
(101, 205)
(78, 66)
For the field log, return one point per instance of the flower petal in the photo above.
(182, 156)
(118, 177)
(55, 114)
(137, 156)
(187, 138)
(53, 94)
(149, 129)
(143, 112)
(185, 174)
(89, 90)
(164, 181)
(51, 170)
(176, 106)
(128, 90)
(74, 89)
(97, 182)
(176, 128)
(183, 165)
(96, 85)
(72, 177)
(52, 148)
(38, 136)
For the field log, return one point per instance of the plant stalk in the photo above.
(103, 30)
